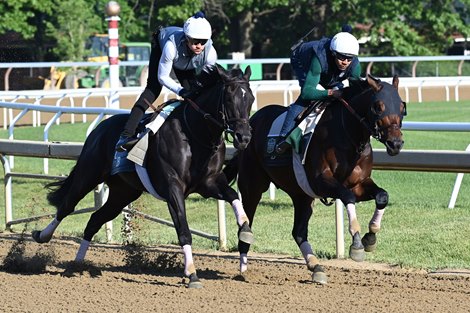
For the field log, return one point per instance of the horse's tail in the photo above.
(231, 168)
(92, 167)
(58, 190)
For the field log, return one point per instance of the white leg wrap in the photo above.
(240, 214)
(243, 262)
(306, 250)
(353, 223)
(82, 251)
(376, 220)
(47, 233)
(188, 260)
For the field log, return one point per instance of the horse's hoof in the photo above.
(369, 241)
(194, 282)
(245, 234)
(356, 254)
(36, 234)
(318, 275)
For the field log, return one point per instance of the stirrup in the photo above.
(282, 146)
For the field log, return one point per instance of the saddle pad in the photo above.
(301, 176)
(145, 179)
(299, 139)
(138, 152)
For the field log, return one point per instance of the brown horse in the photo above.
(338, 163)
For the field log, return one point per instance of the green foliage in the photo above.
(258, 28)
(411, 27)
(72, 27)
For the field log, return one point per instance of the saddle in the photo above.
(148, 126)
(299, 138)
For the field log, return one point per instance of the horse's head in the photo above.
(236, 105)
(386, 114)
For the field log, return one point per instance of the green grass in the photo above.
(418, 230)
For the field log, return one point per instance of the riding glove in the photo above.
(185, 93)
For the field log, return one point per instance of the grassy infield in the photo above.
(418, 230)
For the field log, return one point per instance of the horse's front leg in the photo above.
(177, 208)
(330, 187)
(369, 190)
(218, 187)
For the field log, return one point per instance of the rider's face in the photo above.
(196, 45)
(342, 61)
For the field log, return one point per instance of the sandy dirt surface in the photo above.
(150, 279)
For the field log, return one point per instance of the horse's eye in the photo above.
(403, 108)
(378, 107)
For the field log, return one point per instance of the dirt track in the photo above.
(273, 284)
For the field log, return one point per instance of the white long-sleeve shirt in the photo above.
(169, 54)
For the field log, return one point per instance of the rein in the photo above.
(225, 124)
(373, 131)
(362, 120)
(206, 115)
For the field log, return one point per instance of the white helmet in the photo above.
(345, 43)
(197, 27)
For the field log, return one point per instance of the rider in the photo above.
(185, 51)
(325, 62)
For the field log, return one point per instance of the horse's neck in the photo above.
(199, 121)
(353, 127)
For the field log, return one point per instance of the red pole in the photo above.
(112, 10)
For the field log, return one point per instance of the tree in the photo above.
(260, 29)
(72, 27)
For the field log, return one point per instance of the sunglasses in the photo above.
(343, 57)
(195, 42)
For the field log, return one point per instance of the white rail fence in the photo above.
(280, 62)
(288, 88)
(427, 160)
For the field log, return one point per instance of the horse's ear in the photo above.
(222, 72)
(247, 73)
(395, 81)
(373, 82)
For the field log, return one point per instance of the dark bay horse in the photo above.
(185, 156)
(338, 163)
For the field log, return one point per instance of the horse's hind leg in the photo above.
(67, 207)
(68, 193)
(120, 195)
(302, 213)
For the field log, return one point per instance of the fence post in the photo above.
(222, 225)
(8, 192)
(457, 184)
(339, 229)
(112, 10)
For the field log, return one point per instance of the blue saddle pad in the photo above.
(121, 163)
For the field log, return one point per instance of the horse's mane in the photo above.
(356, 86)
(209, 76)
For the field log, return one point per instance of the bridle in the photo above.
(223, 123)
(370, 121)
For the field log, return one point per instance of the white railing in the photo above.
(407, 160)
(289, 89)
(370, 61)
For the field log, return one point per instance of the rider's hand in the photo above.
(185, 93)
(335, 93)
